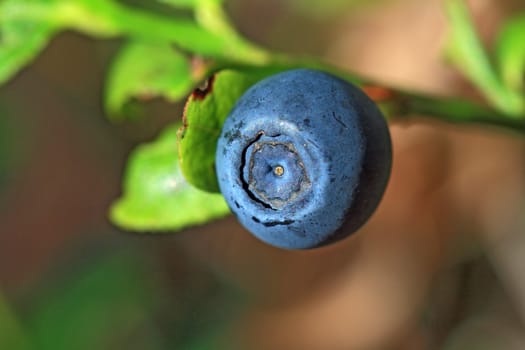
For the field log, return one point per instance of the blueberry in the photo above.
(303, 159)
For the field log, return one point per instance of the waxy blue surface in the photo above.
(295, 155)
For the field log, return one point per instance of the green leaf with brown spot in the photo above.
(204, 115)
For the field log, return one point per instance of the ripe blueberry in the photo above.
(303, 159)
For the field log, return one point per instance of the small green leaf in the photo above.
(156, 196)
(143, 70)
(467, 53)
(204, 116)
(511, 53)
(21, 39)
(26, 27)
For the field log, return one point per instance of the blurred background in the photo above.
(440, 265)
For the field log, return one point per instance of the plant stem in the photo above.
(116, 20)
(407, 105)
(398, 104)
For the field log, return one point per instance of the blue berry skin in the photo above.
(303, 159)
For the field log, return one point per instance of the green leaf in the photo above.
(156, 196)
(26, 27)
(21, 38)
(144, 70)
(204, 116)
(511, 53)
(110, 18)
(466, 52)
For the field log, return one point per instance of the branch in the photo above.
(401, 105)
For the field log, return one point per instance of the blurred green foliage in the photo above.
(106, 302)
(22, 38)
(190, 3)
(323, 9)
(467, 53)
(114, 301)
(511, 53)
(26, 27)
(12, 335)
